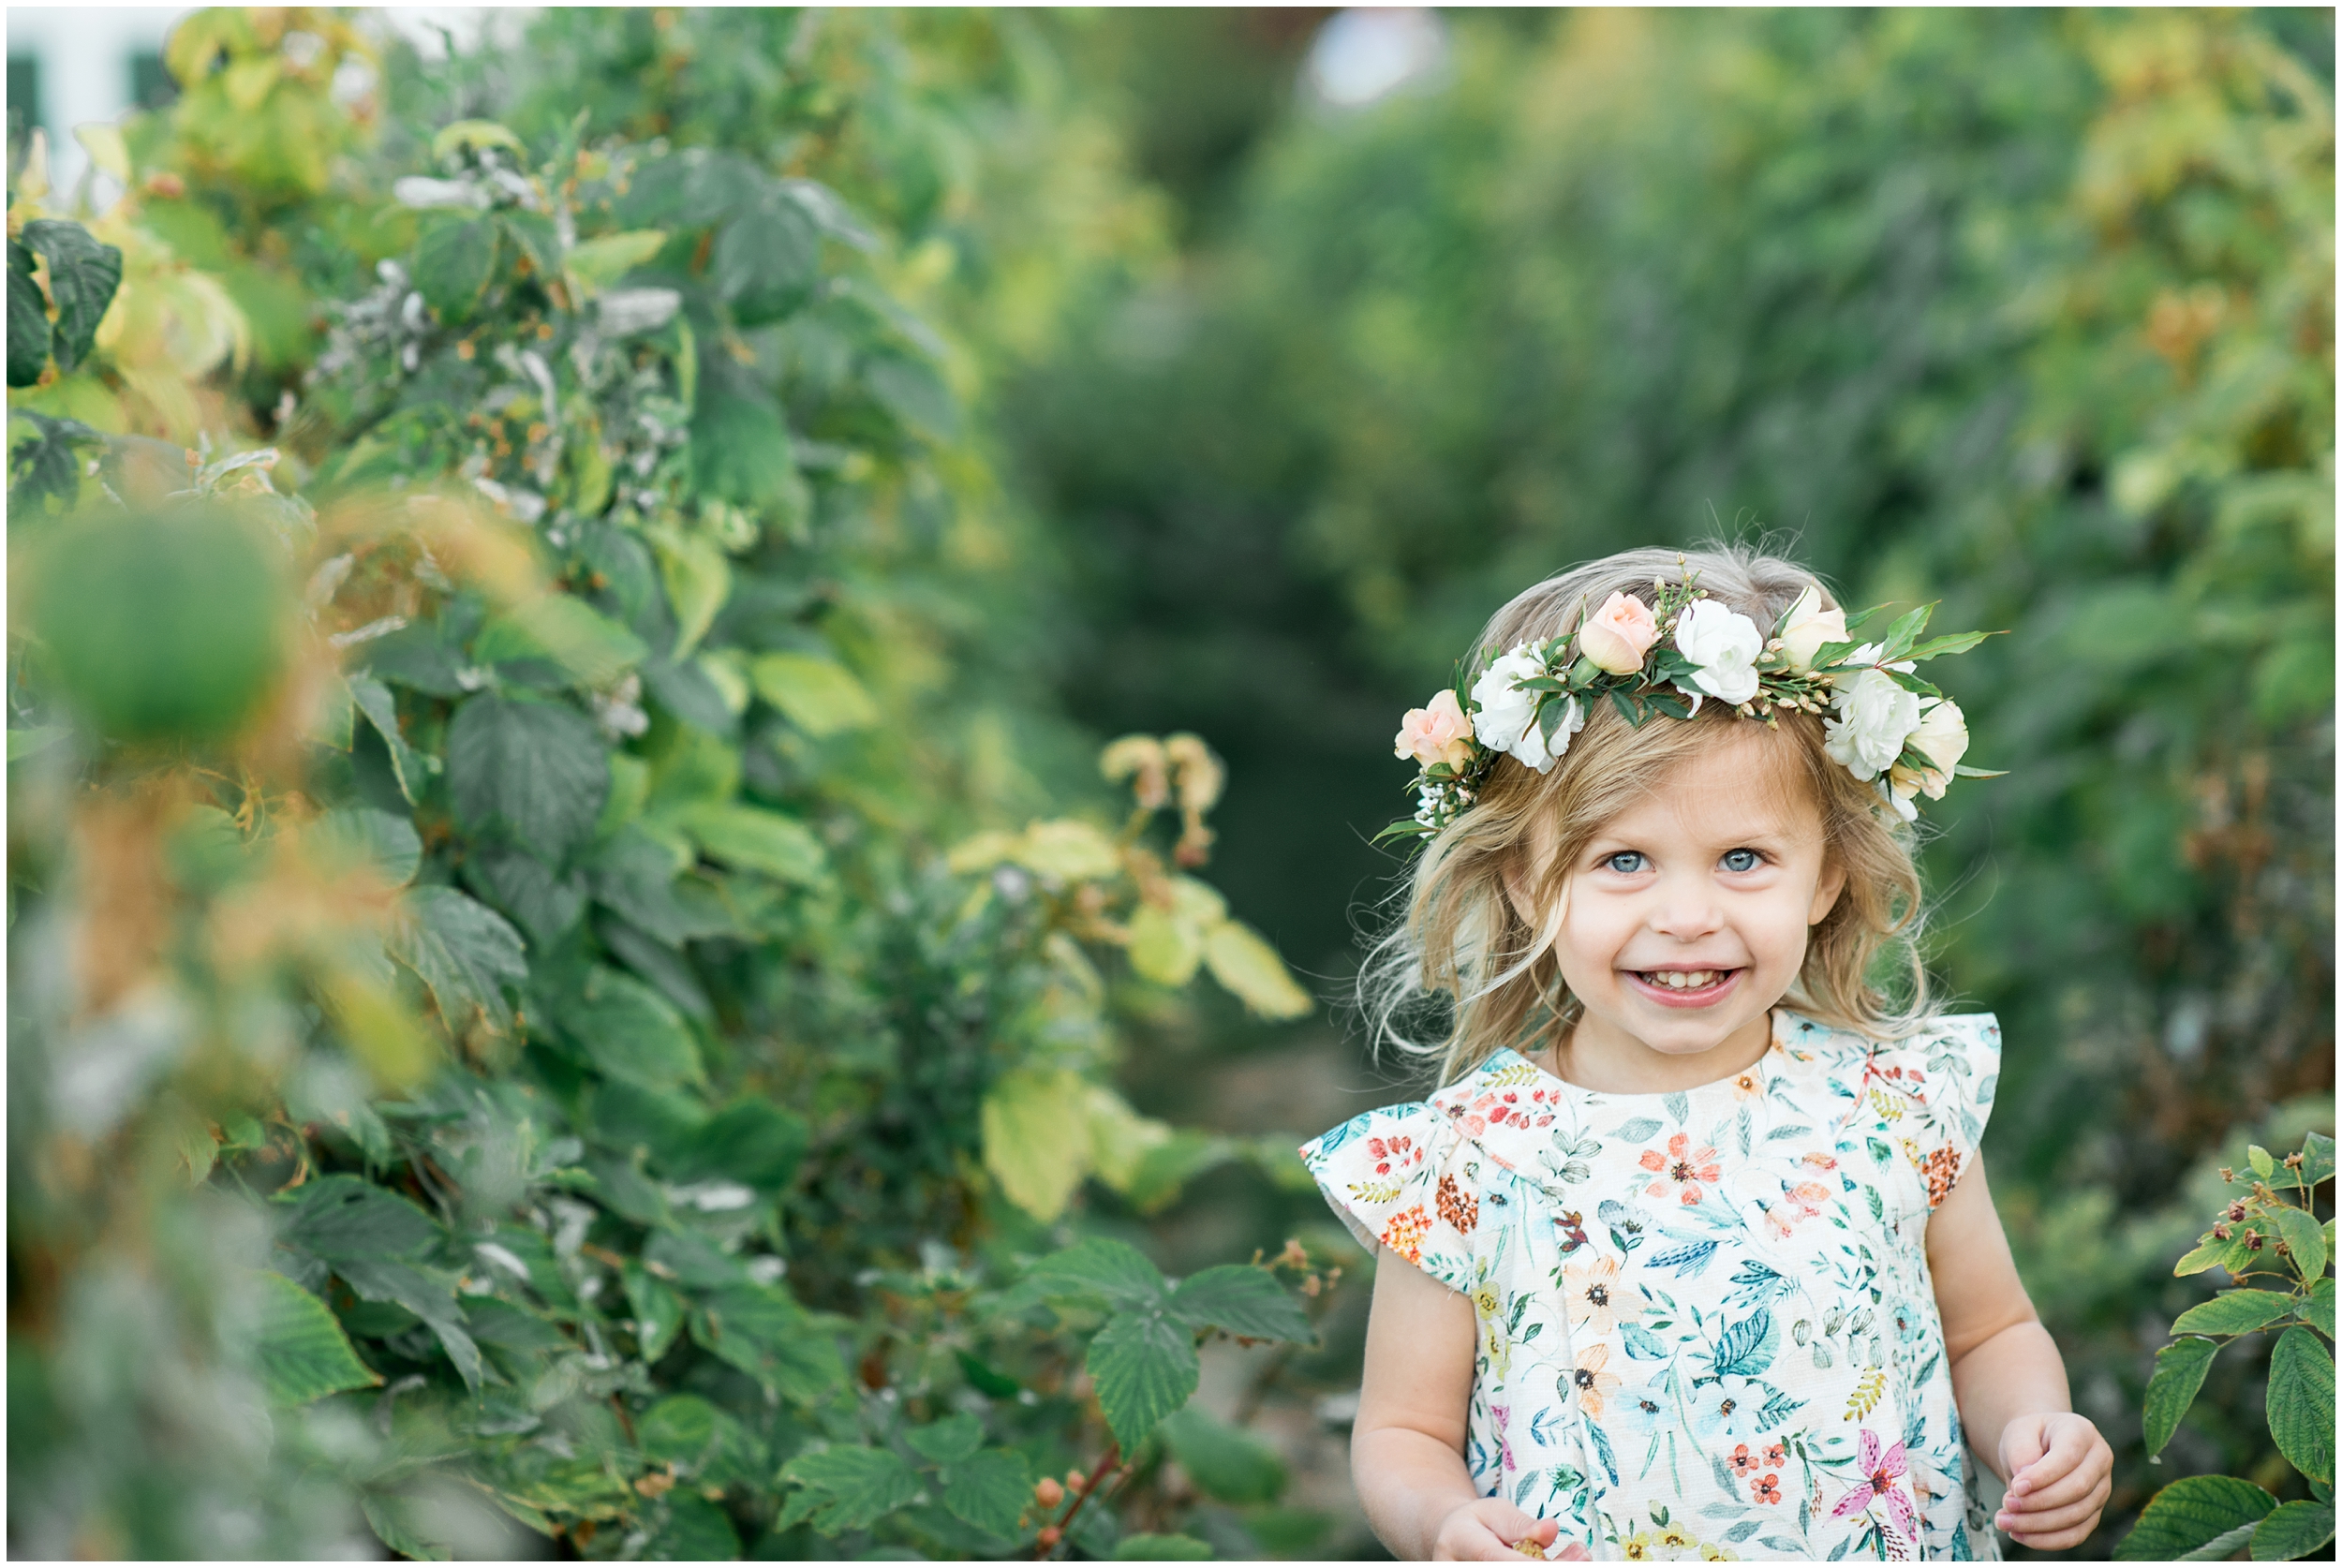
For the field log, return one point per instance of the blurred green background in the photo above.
(1293, 343)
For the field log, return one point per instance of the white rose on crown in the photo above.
(1874, 717)
(1725, 645)
(1507, 719)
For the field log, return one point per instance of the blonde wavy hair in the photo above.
(1459, 947)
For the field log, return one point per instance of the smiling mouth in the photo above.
(1679, 987)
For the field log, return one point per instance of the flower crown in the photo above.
(1884, 725)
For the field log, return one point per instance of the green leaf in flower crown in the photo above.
(534, 770)
(2301, 1402)
(303, 1353)
(1241, 1299)
(990, 1490)
(1144, 1367)
(82, 277)
(2179, 1370)
(2188, 1515)
(464, 951)
(1959, 642)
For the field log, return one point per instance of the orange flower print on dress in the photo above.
(1940, 1168)
(1766, 1488)
(1405, 1233)
(1744, 1464)
(1797, 1204)
(1593, 1385)
(1682, 1168)
(1455, 1206)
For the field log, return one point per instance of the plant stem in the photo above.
(1090, 1488)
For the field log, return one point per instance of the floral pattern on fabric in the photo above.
(1706, 1323)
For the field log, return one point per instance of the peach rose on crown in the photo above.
(1668, 655)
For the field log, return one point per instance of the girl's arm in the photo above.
(1406, 1449)
(2009, 1380)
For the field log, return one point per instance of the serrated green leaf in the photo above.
(766, 259)
(464, 951)
(2187, 1515)
(83, 275)
(339, 1218)
(1225, 1462)
(2234, 1313)
(1162, 1548)
(2262, 1164)
(676, 1431)
(819, 696)
(2299, 1403)
(766, 1334)
(949, 1441)
(1114, 1271)
(593, 649)
(755, 839)
(2179, 1370)
(453, 262)
(1241, 1299)
(2294, 1530)
(1143, 1368)
(28, 320)
(990, 1490)
(631, 1033)
(373, 699)
(740, 447)
(2317, 1159)
(533, 770)
(845, 1488)
(693, 1530)
(2305, 1239)
(303, 1351)
(2207, 1255)
(359, 838)
(2318, 1311)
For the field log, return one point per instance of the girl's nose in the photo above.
(1686, 912)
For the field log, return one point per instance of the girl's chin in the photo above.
(1685, 999)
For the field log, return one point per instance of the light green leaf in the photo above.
(751, 837)
(2305, 1239)
(698, 577)
(2207, 1255)
(1032, 1147)
(845, 1488)
(676, 1431)
(1162, 1548)
(2319, 1311)
(2263, 1166)
(1120, 1138)
(2188, 1515)
(658, 1311)
(990, 1490)
(2301, 1403)
(475, 134)
(1243, 961)
(1163, 948)
(2179, 1370)
(1144, 1367)
(2294, 1530)
(303, 1353)
(820, 696)
(630, 1032)
(464, 950)
(34, 740)
(2234, 1313)
(1241, 1299)
(2316, 1160)
(1225, 1462)
(594, 649)
(602, 260)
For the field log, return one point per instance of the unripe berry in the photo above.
(1050, 1537)
(1048, 1493)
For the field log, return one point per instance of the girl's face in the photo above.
(1688, 913)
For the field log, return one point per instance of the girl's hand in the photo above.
(2059, 1469)
(1486, 1531)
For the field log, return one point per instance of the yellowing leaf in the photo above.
(759, 840)
(983, 852)
(1075, 852)
(1197, 903)
(602, 260)
(820, 696)
(1036, 1139)
(1243, 961)
(474, 133)
(102, 139)
(1119, 1137)
(1164, 948)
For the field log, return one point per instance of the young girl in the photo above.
(1703, 1260)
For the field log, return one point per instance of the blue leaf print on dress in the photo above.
(1748, 1346)
(1687, 1260)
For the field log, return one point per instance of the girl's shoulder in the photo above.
(1967, 1040)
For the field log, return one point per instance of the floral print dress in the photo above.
(1706, 1323)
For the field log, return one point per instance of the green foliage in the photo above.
(2271, 1233)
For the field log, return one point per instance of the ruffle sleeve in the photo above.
(1950, 1071)
(1401, 1177)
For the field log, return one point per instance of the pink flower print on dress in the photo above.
(1880, 1472)
(1681, 1167)
(1505, 1429)
(1399, 1151)
(1797, 1204)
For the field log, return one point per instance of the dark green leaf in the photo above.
(373, 699)
(740, 449)
(543, 905)
(1144, 1367)
(765, 1334)
(303, 1353)
(2294, 1530)
(453, 263)
(2234, 1313)
(2179, 1370)
(1224, 1463)
(535, 770)
(464, 950)
(636, 875)
(377, 842)
(82, 277)
(1099, 1266)
(28, 320)
(676, 1431)
(661, 964)
(845, 1488)
(1242, 1299)
(47, 465)
(949, 1441)
(753, 1141)
(694, 1531)
(341, 1217)
(1162, 1548)
(2188, 1514)
(766, 259)
(990, 1490)
(2301, 1402)
(911, 389)
(658, 1311)
(429, 1295)
(630, 1032)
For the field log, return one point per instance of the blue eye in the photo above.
(1625, 863)
(1740, 860)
